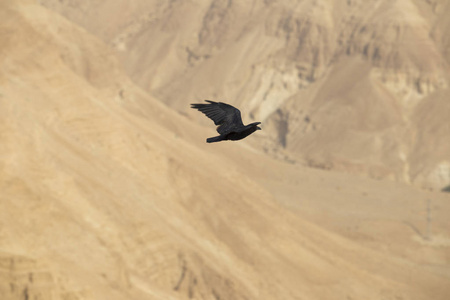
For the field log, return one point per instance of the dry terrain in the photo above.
(109, 191)
(351, 85)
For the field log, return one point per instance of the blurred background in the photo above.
(109, 191)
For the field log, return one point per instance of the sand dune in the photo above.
(106, 193)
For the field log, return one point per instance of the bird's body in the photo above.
(228, 119)
(235, 135)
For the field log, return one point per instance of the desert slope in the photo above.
(107, 193)
(338, 84)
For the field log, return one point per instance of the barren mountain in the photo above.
(107, 193)
(338, 84)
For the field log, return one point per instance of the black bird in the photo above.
(228, 119)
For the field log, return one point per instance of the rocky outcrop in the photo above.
(23, 278)
(106, 193)
(265, 56)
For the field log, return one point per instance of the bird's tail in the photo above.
(214, 139)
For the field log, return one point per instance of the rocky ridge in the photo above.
(108, 193)
(276, 58)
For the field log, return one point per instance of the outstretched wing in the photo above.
(225, 116)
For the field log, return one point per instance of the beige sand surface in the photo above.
(107, 193)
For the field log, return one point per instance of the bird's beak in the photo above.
(258, 128)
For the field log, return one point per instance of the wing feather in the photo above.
(225, 116)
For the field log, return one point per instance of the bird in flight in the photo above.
(228, 121)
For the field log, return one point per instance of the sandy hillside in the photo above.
(343, 85)
(106, 193)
